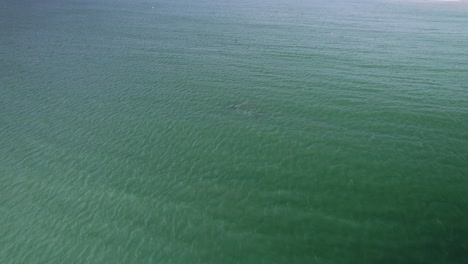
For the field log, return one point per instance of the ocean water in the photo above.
(233, 131)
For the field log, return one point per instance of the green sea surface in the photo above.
(233, 131)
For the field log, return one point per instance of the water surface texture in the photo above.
(237, 131)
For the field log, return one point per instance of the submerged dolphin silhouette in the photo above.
(237, 106)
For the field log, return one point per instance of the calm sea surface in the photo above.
(240, 131)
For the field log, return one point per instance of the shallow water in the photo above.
(233, 131)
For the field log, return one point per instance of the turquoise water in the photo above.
(233, 131)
